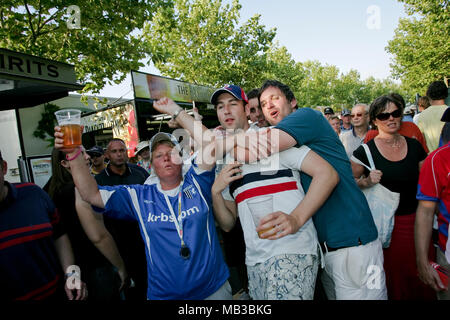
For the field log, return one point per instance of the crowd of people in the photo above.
(176, 224)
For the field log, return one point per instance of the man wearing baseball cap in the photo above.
(230, 102)
(97, 159)
(328, 112)
(346, 120)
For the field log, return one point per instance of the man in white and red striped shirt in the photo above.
(283, 265)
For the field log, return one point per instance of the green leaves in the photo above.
(46, 126)
(421, 47)
(105, 47)
(203, 43)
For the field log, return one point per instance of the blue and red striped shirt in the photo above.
(29, 265)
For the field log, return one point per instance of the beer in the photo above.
(72, 135)
(265, 230)
(69, 121)
(260, 207)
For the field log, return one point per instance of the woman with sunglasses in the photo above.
(407, 129)
(398, 160)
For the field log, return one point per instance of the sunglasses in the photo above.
(386, 115)
(357, 115)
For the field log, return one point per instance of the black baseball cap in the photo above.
(328, 110)
(95, 150)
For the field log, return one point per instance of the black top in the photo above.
(133, 175)
(398, 176)
(86, 255)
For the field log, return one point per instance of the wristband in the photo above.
(75, 156)
(175, 115)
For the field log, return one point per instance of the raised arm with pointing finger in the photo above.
(196, 129)
(248, 149)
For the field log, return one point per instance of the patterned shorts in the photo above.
(284, 277)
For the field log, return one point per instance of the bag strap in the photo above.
(356, 160)
(369, 156)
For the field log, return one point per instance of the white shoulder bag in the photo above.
(382, 202)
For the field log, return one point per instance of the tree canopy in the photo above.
(421, 46)
(201, 41)
(102, 41)
(204, 42)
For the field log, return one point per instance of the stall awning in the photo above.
(27, 81)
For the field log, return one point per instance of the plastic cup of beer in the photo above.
(259, 208)
(70, 122)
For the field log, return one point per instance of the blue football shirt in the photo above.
(170, 276)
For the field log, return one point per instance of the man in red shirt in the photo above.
(434, 193)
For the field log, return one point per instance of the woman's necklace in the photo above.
(393, 143)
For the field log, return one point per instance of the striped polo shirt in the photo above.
(29, 265)
(279, 176)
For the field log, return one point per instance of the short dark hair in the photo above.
(277, 84)
(380, 104)
(252, 94)
(398, 97)
(437, 90)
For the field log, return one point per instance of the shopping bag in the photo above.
(382, 203)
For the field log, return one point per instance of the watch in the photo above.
(175, 115)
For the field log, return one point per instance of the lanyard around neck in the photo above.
(176, 220)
